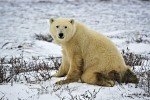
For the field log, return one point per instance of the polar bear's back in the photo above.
(100, 53)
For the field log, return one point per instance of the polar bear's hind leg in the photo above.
(96, 78)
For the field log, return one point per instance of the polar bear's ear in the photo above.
(51, 20)
(72, 21)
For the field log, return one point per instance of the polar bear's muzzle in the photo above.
(61, 35)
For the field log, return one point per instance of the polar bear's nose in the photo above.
(61, 35)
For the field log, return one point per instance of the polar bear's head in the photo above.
(62, 29)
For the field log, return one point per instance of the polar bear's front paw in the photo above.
(110, 83)
(61, 82)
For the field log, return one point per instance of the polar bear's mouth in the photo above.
(61, 35)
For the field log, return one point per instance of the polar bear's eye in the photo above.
(57, 26)
(65, 26)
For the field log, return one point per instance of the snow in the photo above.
(139, 48)
(45, 48)
(27, 18)
(17, 91)
(121, 20)
(43, 91)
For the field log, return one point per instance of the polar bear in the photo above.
(87, 55)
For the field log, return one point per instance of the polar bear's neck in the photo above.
(81, 35)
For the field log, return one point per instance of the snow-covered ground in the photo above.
(124, 21)
(47, 90)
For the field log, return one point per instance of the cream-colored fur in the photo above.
(85, 53)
